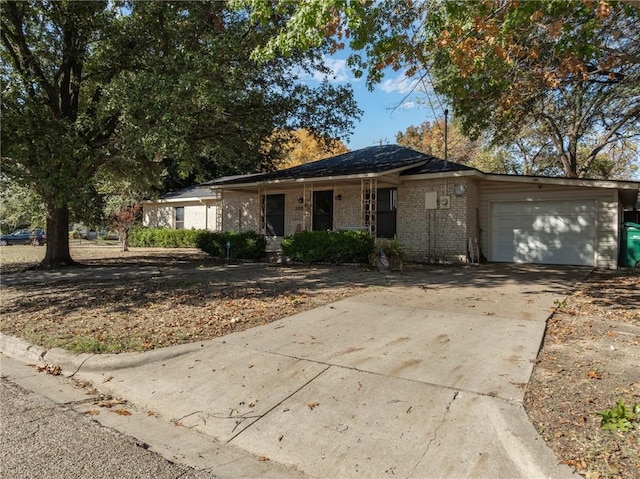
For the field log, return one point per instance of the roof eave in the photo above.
(320, 179)
(611, 184)
(443, 174)
(191, 199)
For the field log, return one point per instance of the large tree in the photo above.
(568, 71)
(119, 86)
(565, 72)
(528, 153)
(429, 137)
(301, 146)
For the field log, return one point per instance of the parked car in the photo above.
(36, 237)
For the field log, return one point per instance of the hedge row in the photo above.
(306, 246)
(246, 245)
(328, 247)
(163, 238)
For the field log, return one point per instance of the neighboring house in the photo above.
(434, 207)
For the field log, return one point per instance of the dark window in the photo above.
(274, 215)
(179, 213)
(322, 210)
(386, 212)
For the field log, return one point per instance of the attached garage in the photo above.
(563, 221)
(560, 232)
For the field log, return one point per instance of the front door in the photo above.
(323, 210)
(274, 215)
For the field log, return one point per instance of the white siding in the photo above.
(200, 217)
(196, 215)
(157, 216)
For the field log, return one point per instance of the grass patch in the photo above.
(85, 344)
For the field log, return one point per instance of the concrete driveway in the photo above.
(422, 379)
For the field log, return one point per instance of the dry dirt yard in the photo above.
(589, 362)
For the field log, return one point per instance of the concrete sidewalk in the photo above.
(407, 381)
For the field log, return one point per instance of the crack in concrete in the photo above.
(375, 373)
(279, 403)
(435, 434)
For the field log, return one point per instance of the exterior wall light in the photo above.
(459, 190)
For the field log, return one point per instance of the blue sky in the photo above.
(395, 104)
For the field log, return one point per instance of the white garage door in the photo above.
(559, 232)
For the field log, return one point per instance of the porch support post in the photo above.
(220, 212)
(262, 195)
(308, 206)
(369, 202)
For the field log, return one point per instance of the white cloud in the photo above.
(400, 84)
(408, 105)
(403, 85)
(339, 72)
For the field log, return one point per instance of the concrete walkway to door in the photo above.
(423, 379)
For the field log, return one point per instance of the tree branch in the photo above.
(634, 112)
(26, 60)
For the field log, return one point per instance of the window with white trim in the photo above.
(178, 217)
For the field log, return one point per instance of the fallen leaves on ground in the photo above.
(141, 314)
(587, 364)
(588, 361)
(109, 403)
(49, 369)
(121, 412)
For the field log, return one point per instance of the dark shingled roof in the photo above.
(190, 192)
(436, 165)
(374, 159)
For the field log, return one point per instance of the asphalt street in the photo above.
(40, 438)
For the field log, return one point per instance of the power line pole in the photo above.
(446, 128)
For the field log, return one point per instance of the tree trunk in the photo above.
(125, 239)
(57, 255)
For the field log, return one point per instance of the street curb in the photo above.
(71, 364)
(20, 349)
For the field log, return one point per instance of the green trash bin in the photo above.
(630, 245)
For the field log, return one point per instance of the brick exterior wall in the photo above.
(436, 235)
(240, 212)
(347, 212)
(439, 235)
(294, 212)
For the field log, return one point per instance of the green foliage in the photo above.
(620, 418)
(554, 71)
(90, 89)
(83, 344)
(164, 238)
(246, 245)
(19, 205)
(328, 247)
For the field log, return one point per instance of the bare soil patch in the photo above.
(590, 359)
